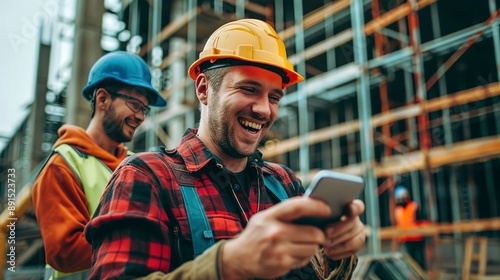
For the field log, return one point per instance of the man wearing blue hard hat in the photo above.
(68, 188)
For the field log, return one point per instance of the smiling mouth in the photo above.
(250, 126)
(133, 125)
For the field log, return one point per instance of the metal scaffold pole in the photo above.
(191, 56)
(366, 127)
(155, 59)
(423, 118)
(492, 190)
(301, 88)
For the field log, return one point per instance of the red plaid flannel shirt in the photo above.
(130, 230)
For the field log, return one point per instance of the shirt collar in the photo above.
(196, 155)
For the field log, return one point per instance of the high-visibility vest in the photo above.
(93, 176)
(406, 218)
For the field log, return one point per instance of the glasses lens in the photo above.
(137, 106)
(146, 110)
(134, 105)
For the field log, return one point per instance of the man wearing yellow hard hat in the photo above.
(212, 208)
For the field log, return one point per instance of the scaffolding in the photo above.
(388, 95)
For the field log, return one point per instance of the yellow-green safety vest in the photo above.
(93, 176)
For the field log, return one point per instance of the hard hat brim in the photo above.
(88, 90)
(293, 77)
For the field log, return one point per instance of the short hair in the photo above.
(215, 77)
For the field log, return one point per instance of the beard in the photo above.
(113, 126)
(220, 132)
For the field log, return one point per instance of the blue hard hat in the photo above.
(124, 67)
(401, 192)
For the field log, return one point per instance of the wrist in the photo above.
(228, 262)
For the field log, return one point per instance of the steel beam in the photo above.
(366, 128)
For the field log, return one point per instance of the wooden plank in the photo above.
(471, 150)
(168, 30)
(253, 7)
(183, 20)
(401, 113)
(321, 47)
(374, 25)
(490, 224)
(173, 56)
(394, 15)
(346, 35)
(316, 17)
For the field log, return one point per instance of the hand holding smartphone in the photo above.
(337, 190)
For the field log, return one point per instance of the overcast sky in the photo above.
(19, 22)
(20, 25)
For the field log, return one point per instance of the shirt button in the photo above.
(219, 166)
(236, 187)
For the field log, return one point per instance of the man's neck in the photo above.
(231, 163)
(101, 138)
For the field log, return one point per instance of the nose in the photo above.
(262, 106)
(139, 116)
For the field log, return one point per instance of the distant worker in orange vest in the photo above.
(408, 217)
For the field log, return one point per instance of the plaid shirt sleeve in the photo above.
(129, 233)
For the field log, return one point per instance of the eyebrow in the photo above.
(257, 84)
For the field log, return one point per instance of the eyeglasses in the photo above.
(133, 103)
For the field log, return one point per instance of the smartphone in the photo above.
(337, 190)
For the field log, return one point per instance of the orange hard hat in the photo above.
(246, 42)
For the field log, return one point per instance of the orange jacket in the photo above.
(60, 204)
(406, 218)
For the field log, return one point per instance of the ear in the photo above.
(201, 86)
(102, 99)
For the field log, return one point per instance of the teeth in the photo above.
(253, 125)
(132, 125)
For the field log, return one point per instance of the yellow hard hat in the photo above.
(246, 42)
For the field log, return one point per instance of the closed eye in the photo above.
(249, 89)
(275, 99)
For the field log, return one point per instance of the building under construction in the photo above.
(400, 92)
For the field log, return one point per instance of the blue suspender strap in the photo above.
(275, 186)
(201, 232)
